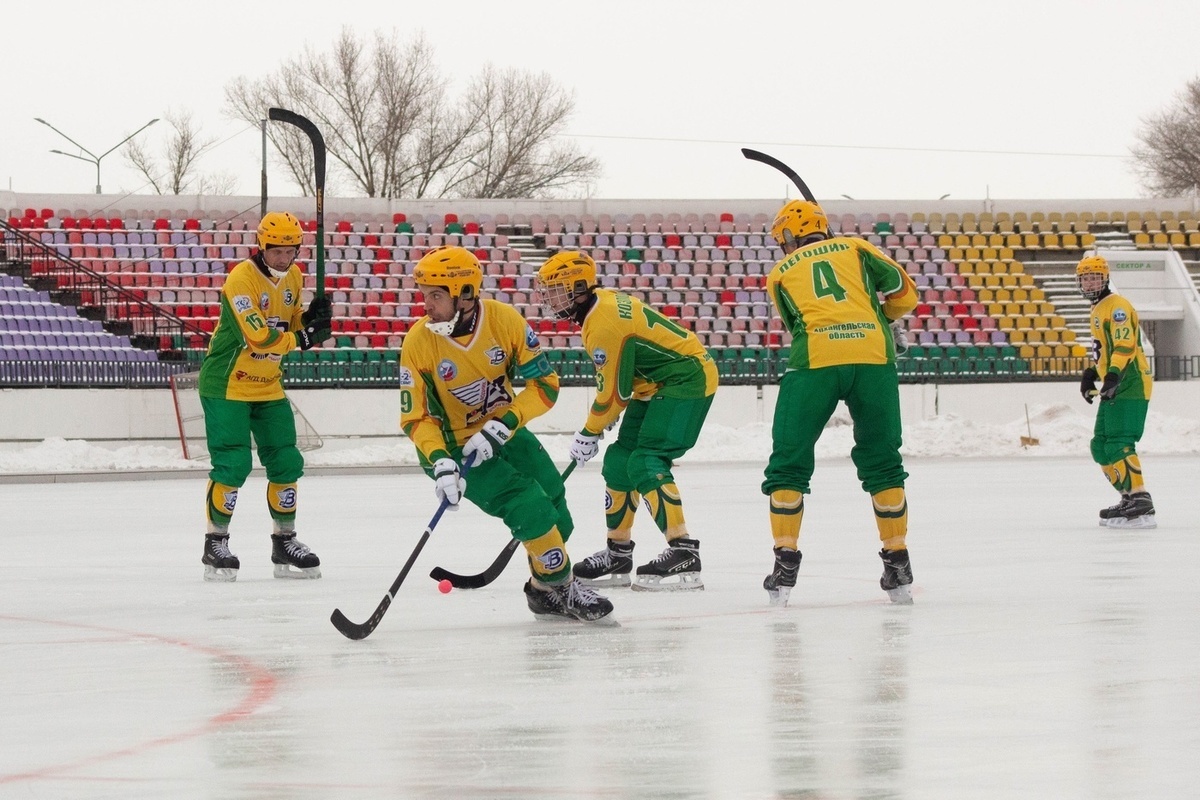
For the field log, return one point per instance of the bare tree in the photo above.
(392, 130)
(176, 171)
(518, 150)
(1168, 158)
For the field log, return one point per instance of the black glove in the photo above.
(319, 313)
(1109, 390)
(309, 337)
(1087, 385)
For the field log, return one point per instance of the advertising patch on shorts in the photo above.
(406, 378)
(242, 303)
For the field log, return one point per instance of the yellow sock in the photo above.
(667, 510)
(281, 499)
(219, 502)
(548, 557)
(891, 517)
(619, 510)
(1133, 467)
(787, 512)
(1118, 475)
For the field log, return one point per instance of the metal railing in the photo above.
(122, 310)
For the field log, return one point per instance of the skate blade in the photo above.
(1144, 522)
(901, 595)
(606, 621)
(668, 583)
(778, 598)
(222, 575)
(610, 581)
(288, 571)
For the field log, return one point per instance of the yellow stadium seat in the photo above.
(1030, 241)
(1003, 296)
(952, 223)
(956, 254)
(1158, 239)
(1037, 295)
(945, 241)
(967, 267)
(1078, 350)
(979, 240)
(1070, 241)
(1012, 309)
(1026, 351)
(1141, 240)
(1033, 336)
(969, 223)
(1020, 296)
(1050, 241)
(1006, 324)
(1177, 239)
(1044, 351)
(962, 240)
(1062, 351)
(985, 295)
(1087, 240)
(1067, 335)
(1015, 336)
(1023, 323)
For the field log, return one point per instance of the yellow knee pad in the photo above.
(619, 510)
(891, 517)
(787, 513)
(667, 509)
(220, 501)
(548, 557)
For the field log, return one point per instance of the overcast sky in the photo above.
(875, 100)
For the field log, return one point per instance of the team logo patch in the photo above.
(289, 299)
(483, 396)
(264, 302)
(531, 339)
(1119, 315)
(406, 378)
(552, 560)
(599, 357)
(447, 370)
(608, 501)
(242, 303)
(495, 355)
(228, 501)
(286, 498)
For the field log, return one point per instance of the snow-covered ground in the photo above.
(1062, 430)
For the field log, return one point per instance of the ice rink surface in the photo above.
(1044, 656)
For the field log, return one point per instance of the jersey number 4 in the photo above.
(825, 282)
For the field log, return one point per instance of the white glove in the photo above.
(584, 448)
(448, 483)
(900, 337)
(484, 444)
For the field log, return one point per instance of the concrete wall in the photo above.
(119, 414)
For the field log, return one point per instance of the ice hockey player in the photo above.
(458, 406)
(1124, 395)
(662, 378)
(828, 293)
(242, 396)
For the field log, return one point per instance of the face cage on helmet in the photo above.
(557, 298)
(1095, 293)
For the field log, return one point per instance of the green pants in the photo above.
(521, 486)
(228, 426)
(1119, 426)
(653, 433)
(807, 399)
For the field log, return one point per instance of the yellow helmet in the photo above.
(796, 221)
(564, 276)
(279, 229)
(1092, 265)
(451, 266)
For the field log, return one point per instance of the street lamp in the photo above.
(95, 159)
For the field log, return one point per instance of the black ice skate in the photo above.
(897, 576)
(292, 558)
(676, 568)
(219, 563)
(782, 580)
(609, 567)
(569, 600)
(1136, 512)
(1108, 513)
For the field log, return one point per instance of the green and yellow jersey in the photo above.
(639, 353)
(449, 387)
(828, 296)
(1117, 347)
(253, 334)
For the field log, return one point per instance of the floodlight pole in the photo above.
(94, 159)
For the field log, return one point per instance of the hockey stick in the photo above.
(318, 145)
(353, 630)
(771, 161)
(493, 571)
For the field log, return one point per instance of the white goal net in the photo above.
(190, 416)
